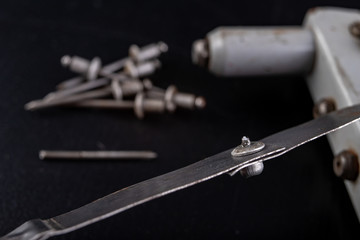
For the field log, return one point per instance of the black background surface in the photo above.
(296, 197)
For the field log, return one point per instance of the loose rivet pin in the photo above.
(147, 52)
(41, 104)
(106, 71)
(137, 55)
(70, 83)
(90, 69)
(174, 98)
(78, 155)
(129, 87)
(141, 69)
(323, 107)
(82, 87)
(68, 96)
(141, 105)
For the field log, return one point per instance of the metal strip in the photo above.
(206, 169)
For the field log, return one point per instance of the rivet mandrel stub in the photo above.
(79, 88)
(47, 154)
(247, 147)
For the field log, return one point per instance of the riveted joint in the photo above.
(252, 170)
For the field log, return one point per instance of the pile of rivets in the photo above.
(118, 85)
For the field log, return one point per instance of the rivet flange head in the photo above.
(247, 147)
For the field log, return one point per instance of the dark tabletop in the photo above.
(296, 197)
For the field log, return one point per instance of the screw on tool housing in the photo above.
(346, 165)
(324, 106)
(41, 104)
(129, 87)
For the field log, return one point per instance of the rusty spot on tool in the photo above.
(312, 10)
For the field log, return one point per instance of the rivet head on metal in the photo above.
(247, 147)
(252, 170)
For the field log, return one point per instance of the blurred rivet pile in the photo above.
(106, 86)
